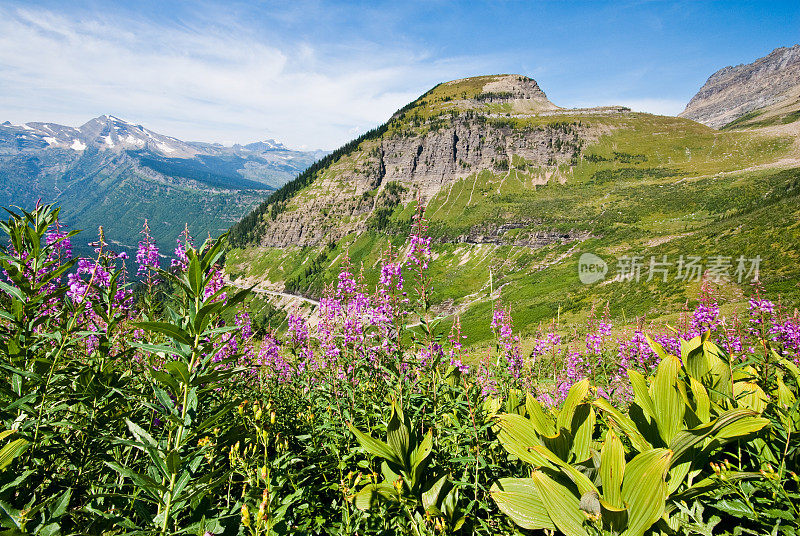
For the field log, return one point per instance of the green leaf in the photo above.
(62, 503)
(419, 456)
(624, 423)
(12, 450)
(195, 275)
(543, 423)
(583, 429)
(667, 401)
(370, 495)
(731, 424)
(656, 347)
(165, 328)
(173, 462)
(562, 505)
(178, 369)
(576, 395)
(644, 489)
(143, 482)
(580, 480)
(398, 435)
(612, 469)
(374, 446)
(518, 435)
(701, 400)
(433, 497)
(519, 499)
(642, 394)
(141, 435)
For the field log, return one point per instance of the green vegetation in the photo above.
(167, 415)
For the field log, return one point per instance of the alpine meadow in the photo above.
(489, 315)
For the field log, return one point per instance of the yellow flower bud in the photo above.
(245, 516)
(272, 418)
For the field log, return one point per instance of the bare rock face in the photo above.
(423, 166)
(734, 91)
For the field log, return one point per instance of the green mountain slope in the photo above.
(520, 188)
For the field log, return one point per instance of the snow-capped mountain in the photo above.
(112, 172)
(108, 132)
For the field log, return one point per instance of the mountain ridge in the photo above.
(734, 91)
(519, 188)
(115, 173)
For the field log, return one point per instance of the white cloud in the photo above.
(213, 83)
(655, 106)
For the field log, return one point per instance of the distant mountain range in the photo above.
(115, 173)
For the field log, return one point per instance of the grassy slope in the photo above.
(651, 185)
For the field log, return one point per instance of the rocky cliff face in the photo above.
(423, 165)
(734, 91)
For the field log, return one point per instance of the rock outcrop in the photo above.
(734, 91)
(423, 165)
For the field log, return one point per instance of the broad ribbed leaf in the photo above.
(583, 428)
(419, 456)
(560, 444)
(612, 469)
(750, 395)
(702, 401)
(398, 436)
(711, 484)
(696, 361)
(423, 450)
(731, 424)
(720, 373)
(644, 489)
(433, 497)
(667, 401)
(374, 446)
(371, 495)
(543, 422)
(519, 499)
(581, 480)
(518, 435)
(576, 395)
(641, 394)
(624, 423)
(562, 505)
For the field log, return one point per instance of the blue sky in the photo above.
(315, 74)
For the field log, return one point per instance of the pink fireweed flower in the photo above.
(147, 257)
(298, 330)
(216, 284)
(391, 277)
(507, 340)
(419, 242)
